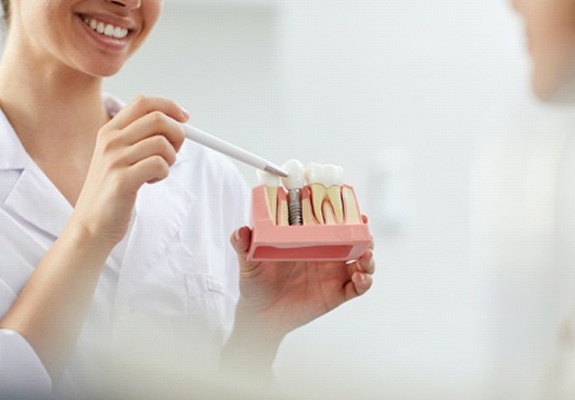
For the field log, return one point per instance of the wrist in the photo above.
(94, 246)
(252, 346)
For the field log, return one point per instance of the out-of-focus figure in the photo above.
(530, 205)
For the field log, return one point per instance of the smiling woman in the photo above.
(98, 266)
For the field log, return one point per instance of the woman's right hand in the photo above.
(137, 146)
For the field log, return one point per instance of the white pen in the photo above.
(232, 150)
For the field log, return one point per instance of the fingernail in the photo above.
(185, 113)
(363, 277)
(237, 235)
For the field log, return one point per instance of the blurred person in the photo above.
(115, 250)
(531, 199)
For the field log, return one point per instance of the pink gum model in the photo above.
(270, 242)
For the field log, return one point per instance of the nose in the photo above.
(129, 4)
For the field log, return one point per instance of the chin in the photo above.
(103, 71)
(554, 89)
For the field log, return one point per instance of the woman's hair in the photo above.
(6, 9)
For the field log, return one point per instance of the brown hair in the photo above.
(6, 8)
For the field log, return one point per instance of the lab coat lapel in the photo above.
(36, 200)
(33, 198)
(161, 210)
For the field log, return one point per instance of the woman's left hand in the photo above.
(278, 297)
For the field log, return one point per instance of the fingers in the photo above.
(361, 273)
(153, 124)
(366, 264)
(153, 146)
(142, 106)
(361, 283)
(241, 240)
(142, 140)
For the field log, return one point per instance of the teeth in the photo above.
(109, 30)
(272, 183)
(315, 176)
(352, 215)
(296, 175)
(306, 208)
(325, 181)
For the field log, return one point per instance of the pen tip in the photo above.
(276, 171)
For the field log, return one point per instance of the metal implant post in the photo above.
(294, 207)
(294, 183)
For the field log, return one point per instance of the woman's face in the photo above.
(550, 30)
(92, 36)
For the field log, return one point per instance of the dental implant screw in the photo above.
(294, 207)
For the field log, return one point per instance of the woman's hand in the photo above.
(137, 146)
(278, 297)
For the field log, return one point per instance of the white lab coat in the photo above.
(169, 288)
(526, 203)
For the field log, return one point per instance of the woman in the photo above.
(115, 229)
(545, 235)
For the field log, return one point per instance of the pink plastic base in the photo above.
(270, 242)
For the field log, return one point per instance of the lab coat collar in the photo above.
(33, 198)
(13, 156)
(36, 200)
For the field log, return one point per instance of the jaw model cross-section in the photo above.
(315, 216)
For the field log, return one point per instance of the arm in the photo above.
(48, 312)
(137, 146)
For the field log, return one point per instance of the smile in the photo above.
(109, 30)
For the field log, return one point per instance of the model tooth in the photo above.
(315, 177)
(333, 181)
(328, 214)
(314, 173)
(272, 183)
(307, 211)
(296, 175)
(325, 182)
(352, 215)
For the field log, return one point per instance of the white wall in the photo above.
(395, 89)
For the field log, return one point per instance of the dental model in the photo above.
(294, 183)
(315, 216)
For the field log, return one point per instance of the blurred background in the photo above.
(426, 105)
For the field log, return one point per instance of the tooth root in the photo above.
(328, 214)
(272, 202)
(306, 207)
(318, 193)
(352, 215)
(307, 212)
(334, 196)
